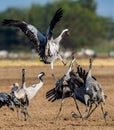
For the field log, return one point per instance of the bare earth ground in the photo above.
(43, 113)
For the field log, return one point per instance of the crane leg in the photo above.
(61, 59)
(105, 114)
(18, 113)
(52, 72)
(60, 107)
(63, 63)
(85, 115)
(77, 106)
(25, 113)
(19, 109)
(92, 110)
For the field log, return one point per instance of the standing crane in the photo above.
(20, 97)
(18, 94)
(18, 103)
(45, 45)
(32, 90)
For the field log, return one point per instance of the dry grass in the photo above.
(43, 113)
(97, 62)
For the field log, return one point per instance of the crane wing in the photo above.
(56, 18)
(29, 30)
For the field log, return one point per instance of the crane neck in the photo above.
(90, 67)
(23, 78)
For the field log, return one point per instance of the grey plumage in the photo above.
(20, 98)
(20, 104)
(94, 93)
(91, 93)
(82, 86)
(63, 89)
(38, 39)
(5, 100)
(45, 45)
(16, 102)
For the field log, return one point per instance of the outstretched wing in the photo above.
(29, 30)
(56, 18)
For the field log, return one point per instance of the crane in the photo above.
(45, 45)
(90, 92)
(20, 94)
(63, 90)
(20, 97)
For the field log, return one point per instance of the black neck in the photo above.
(40, 78)
(23, 76)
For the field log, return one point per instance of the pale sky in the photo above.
(104, 8)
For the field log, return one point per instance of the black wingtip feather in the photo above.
(50, 91)
(7, 22)
(10, 22)
(57, 17)
(51, 98)
(49, 95)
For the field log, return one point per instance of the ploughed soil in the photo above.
(43, 113)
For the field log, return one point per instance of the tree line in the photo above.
(87, 28)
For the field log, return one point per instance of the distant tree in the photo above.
(90, 4)
(79, 16)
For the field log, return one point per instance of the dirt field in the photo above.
(43, 113)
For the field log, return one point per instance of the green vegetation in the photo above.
(86, 27)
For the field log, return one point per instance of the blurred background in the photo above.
(91, 25)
